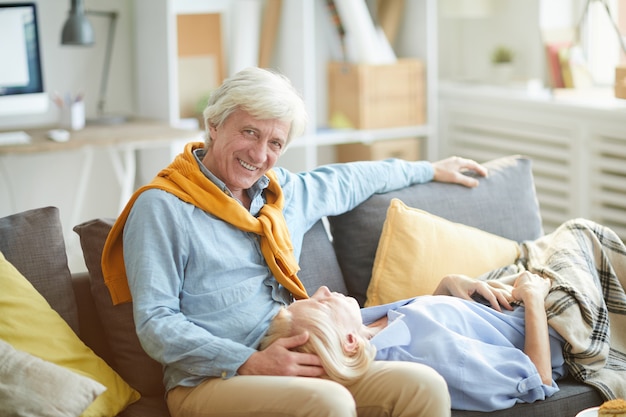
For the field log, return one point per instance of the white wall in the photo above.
(36, 180)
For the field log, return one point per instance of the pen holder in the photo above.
(73, 116)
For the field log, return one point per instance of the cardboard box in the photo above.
(406, 148)
(620, 82)
(376, 96)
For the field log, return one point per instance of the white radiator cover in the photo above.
(578, 151)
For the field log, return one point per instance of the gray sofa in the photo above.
(504, 204)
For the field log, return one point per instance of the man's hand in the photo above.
(278, 359)
(452, 170)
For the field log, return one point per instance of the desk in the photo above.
(121, 141)
(136, 134)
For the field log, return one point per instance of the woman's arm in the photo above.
(531, 289)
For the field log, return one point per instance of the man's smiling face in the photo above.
(244, 148)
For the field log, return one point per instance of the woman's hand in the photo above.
(452, 170)
(497, 294)
(530, 285)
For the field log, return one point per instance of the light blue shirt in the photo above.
(478, 350)
(203, 295)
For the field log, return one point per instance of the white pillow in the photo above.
(32, 387)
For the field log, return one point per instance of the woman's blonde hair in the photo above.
(262, 93)
(325, 340)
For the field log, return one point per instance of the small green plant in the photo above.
(502, 55)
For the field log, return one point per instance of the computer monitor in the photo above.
(21, 76)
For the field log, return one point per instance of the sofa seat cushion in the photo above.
(147, 407)
(504, 204)
(29, 324)
(33, 242)
(30, 386)
(572, 398)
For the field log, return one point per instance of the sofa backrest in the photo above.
(505, 204)
(318, 263)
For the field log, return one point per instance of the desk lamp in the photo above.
(77, 30)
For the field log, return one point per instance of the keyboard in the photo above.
(14, 138)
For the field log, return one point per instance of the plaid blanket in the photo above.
(586, 304)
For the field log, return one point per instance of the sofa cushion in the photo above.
(318, 263)
(147, 407)
(30, 386)
(572, 398)
(29, 324)
(504, 204)
(130, 360)
(417, 249)
(33, 242)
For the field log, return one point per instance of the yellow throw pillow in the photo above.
(29, 324)
(416, 249)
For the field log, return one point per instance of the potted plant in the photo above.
(502, 61)
(502, 55)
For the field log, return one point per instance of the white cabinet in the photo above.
(578, 147)
(303, 49)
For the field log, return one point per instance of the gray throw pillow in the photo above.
(130, 360)
(33, 242)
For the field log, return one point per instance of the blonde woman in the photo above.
(491, 357)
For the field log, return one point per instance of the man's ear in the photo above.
(351, 344)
